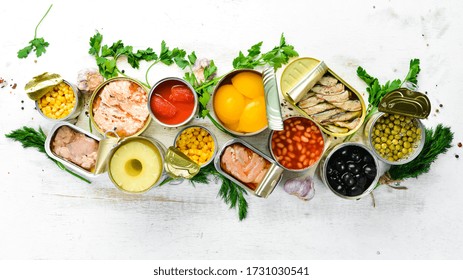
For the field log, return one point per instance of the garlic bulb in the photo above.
(303, 188)
(198, 69)
(88, 80)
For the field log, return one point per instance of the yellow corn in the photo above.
(57, 102)
(197, 144)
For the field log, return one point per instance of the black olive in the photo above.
(355, 190)
(356, 157)
(344, 153)
(340, 166)
(361, 181)
(366, 158)
(340, 189)
(369, 170)
(353, 168)
(348, 179)
(329, 170)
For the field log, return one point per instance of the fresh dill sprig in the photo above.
(31, 138)
(437, 141)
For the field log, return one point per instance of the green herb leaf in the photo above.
(107, 67)
(376, 92)
(147, 55)
(31, 138)
(192, 58)
(278, 56)
(210, 70)
(95, 44)
(437, 141)
(38, 45)
(413, 72)
(23, 53)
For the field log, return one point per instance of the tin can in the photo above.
(300, 148)
(227, 80)
(268, 182)
(371, 161)
(417, 147)
(76, 110)
(71, 165)
(301, 75)
(214, 140)
(137, 165)
(178, 81)
(95, 96)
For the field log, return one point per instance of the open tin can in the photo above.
(76, 149)
(318, 93)
(238, 156)
(349, 170)
(299, 146)
(227, 98)
(122, 126)
(136, 164)
(212, 150)
(396, 134)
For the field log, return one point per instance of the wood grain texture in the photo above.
(48, 214)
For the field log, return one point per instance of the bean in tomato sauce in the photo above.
(299, 145)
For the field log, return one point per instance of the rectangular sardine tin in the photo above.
(72, 166)
(269, 181)
(299, 78)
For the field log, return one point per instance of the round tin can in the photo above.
(159, 148)
(326, 159)
(301, 169)
(368, 131)
(159, 83)
(227, 80)
(97, 92)
(76, 110)
(214, 140)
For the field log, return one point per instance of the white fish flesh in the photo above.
(342, 97)
(319, 108)
(347, 116)
(349, 124)
(336, 89)
(349, 105)
(309, 102)
(326, 115)
(327, 81)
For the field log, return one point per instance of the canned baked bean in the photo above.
(298, 146)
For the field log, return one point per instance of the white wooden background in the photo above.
(47, 214)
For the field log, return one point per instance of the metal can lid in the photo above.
(104, 150)
(404, 101)
(272, 100)
(37, 87)
(300, 76)
(178, 165)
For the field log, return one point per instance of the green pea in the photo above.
(407, 145)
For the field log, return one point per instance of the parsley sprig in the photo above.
(376, 91)
(107, 56)
(38, 45)
(278, 56)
